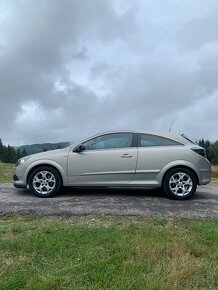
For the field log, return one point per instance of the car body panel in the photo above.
(127, 167)
(108, 166)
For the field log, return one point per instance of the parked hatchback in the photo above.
(118, 159)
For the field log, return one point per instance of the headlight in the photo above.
(22, 160)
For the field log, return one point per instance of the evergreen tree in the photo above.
(214, 152)
(9, 154)
(1, 150)
(23, 153)
(18, 154)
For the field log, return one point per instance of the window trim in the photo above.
(133, 145)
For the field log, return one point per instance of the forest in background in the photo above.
(211, 149)
(10, 154)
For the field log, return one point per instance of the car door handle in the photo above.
(126, 155)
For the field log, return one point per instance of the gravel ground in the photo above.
(145, 202)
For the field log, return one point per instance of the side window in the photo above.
(110, 141)
(153, 140)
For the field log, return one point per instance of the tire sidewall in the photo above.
(167, 189)
(57, 179)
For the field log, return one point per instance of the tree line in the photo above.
(9, 154)
(37, 148)
(211, 149)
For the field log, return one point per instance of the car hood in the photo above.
(50, 154)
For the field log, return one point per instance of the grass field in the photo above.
(215, 173)
(6, 170)
(108, 252)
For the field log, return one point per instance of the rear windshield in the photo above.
(191, 141)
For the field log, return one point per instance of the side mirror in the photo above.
(79, 148)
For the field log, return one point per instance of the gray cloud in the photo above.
(73, 68)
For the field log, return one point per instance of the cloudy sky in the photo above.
(73, 68)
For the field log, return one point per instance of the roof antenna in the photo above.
(171, 125)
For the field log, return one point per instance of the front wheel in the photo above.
(180, 183)
(45, 181)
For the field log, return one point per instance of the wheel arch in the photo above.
(38, 165)
(180, 166)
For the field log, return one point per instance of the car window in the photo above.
(110, 141)
(153, 140)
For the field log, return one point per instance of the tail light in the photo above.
(200, 151)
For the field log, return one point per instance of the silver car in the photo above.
(118, 159)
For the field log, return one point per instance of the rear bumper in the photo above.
(204, 171)
(205, 176)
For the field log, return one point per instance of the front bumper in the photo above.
(19, 185)
(18, 177)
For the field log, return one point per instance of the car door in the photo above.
(108, 159)
(154, 152)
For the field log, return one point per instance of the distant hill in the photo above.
(37, 148)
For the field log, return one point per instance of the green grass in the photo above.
(6, 172)
(215, 173)
(108, 252)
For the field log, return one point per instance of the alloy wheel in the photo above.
(44, 182)
(180, 184)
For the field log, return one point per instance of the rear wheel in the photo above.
(45, 181)
(180, 183)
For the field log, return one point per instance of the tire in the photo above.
(45, 181)
(180, 183)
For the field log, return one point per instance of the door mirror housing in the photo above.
(79, 148)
